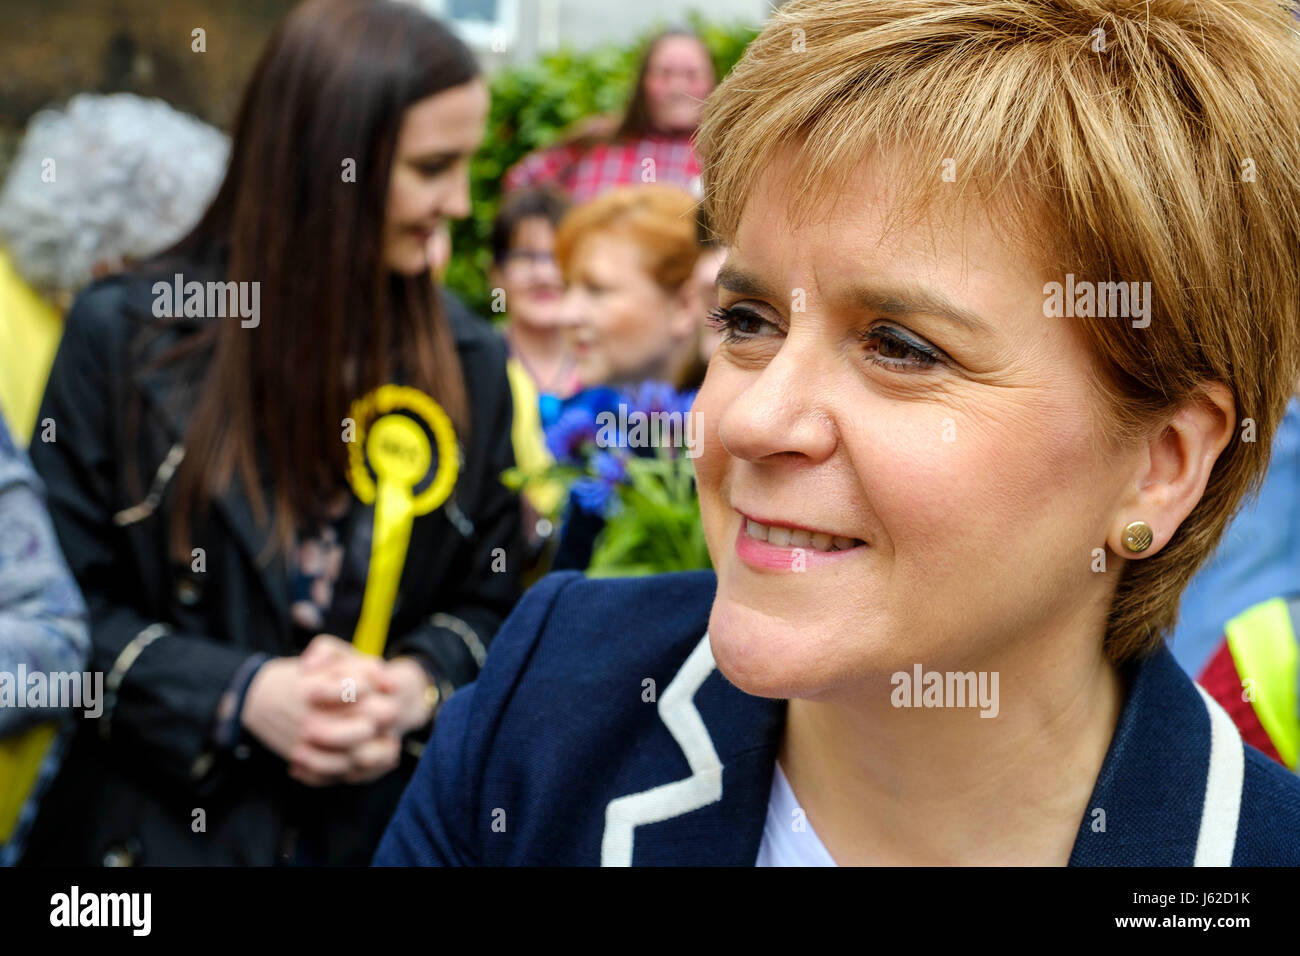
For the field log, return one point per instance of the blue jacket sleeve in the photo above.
(440, 820)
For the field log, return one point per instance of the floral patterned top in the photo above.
(317, 563)
(42, 615)
(43, 624)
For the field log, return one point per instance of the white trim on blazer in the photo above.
(1223, 783)
(1215, 843)
(702, 787)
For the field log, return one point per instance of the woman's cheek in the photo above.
(714, 461)
(923, 471)
(631, 333)
(400, 196)
(982, 484)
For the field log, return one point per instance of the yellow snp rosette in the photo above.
(392, 465)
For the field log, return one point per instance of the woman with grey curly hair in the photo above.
(100, 182)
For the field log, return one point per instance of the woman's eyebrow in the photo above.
(913, 300)
(891, 300)
(744, 283)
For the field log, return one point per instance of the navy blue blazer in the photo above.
(555, 756)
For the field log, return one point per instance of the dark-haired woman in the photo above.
(276, 474)
(652, 142)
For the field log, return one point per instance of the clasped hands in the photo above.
(334, 714)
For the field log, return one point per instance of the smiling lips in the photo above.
(783, 535)
(787, 537)
(767, 546)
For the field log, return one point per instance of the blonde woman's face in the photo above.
(904, 396)
(622, 325)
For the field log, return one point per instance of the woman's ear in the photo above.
(1176, 468)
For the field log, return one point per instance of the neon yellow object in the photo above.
(1263, 644)
(529, 440)
(30, 328)
(21, 757)
(391, 444)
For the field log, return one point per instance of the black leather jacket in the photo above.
(170, 640)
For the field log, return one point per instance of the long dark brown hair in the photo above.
(331, 86)
(636, 122)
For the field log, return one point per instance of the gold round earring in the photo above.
(1138, 536)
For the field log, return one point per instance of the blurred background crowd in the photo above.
(579, 264)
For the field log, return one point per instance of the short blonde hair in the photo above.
(660, 219)
(1157, 141)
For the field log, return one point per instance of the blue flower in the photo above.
(609, 467)
(591, 494)
(651, 397)
(574, 424)
(567, 437)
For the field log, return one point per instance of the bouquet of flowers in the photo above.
(628, 458)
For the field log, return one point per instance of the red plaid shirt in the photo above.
(586, 172)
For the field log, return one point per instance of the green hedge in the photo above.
(531, 106)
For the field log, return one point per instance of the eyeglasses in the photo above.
(531, 256)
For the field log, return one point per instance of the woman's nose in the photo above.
(549, 270)
(783, 411)
(455, 203)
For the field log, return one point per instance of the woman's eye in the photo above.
(738, 323)
(890, 348)
(882, 345)
(430, 170)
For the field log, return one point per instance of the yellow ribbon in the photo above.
(392, 444)
(21, 757)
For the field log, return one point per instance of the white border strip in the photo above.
(1218, 837)
(702, 787)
